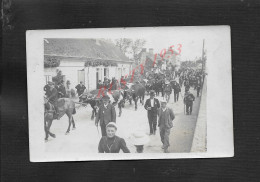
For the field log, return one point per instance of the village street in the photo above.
(85, 138)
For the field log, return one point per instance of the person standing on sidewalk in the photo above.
(198, 87)
(188, 101)
(166, 116)
(152, 105)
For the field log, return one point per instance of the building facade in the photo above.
(104, 60)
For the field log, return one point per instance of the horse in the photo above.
(92, 101)
(116, 97)
(65, 106)
(138, 91)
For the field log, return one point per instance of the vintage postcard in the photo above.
(129, 93)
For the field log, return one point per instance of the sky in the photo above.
(191, 39)
(189, 49)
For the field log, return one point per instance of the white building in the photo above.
(86, 60)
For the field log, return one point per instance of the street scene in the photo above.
(120, 96)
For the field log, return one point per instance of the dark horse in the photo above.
(65, 106)
(138, 92)
(94, 103)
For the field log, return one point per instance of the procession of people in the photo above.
(159, 114)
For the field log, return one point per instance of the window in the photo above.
(48, 78)
(106, 72)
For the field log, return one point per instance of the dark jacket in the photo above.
(47, 88)
(106, 115)
(53, 97)
(188, 98)
(176, 88)
(165, 118)
(62, 91)
(80, 88)
(107, 145)
(154, 110)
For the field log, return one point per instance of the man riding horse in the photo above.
(55, 108)
(52, 97)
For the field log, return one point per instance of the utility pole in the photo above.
(202, 57)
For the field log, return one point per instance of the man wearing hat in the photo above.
(152, 105)
(80, 89)
(166, 116)
(167, 90)
(177, 90)
(188, 101)
(61, 89)
(106, 114)
(53, 97)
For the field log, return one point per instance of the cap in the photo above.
(152, 92)
(111, 124)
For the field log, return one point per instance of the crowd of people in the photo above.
(158, 113)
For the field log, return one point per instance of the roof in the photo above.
(84, 48)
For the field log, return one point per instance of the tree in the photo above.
(132, 47)
(136, 48)
(123, 44)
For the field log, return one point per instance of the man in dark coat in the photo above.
(52, 98)
(166, 116)
(152, 105)
(106, 114)
(187, 86)
(61, 90)
(176, 90)
(188, 101)
(198, 87)
(80, 89)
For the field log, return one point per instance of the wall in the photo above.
(71, 74)
(49, 73)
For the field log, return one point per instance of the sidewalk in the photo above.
(182, 133)
(199, 143)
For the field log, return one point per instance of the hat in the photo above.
(105, 97)
(152, 92)
(111, 124)
(139, 138)
(163, 100)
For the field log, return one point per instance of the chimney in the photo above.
(151, 51)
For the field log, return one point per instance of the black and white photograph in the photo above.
(145, 93)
